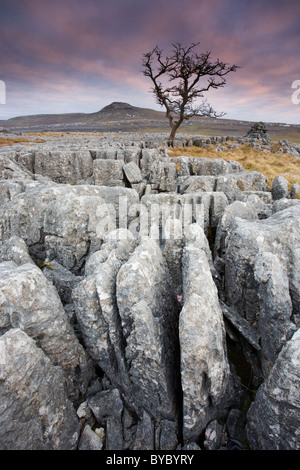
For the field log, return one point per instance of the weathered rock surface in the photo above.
(274, 417)
(66, 223)
(280, 188)
(215, 166)
(153, 295)
(29, 301)
(108, 172)
(257, 265)
(96, 306)
(148, 312)
(64, 167)
(36, 413)
(204, 365)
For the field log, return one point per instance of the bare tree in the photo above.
(187, 75)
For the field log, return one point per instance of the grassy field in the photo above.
(251, 159)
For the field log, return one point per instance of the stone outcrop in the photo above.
(145, 300)
(274, 418)
(28, 301)
(204, 366)
(36, 413)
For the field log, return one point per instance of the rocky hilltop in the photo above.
(146, 302)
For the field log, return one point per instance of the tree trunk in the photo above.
(172, 136)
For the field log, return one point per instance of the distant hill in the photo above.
(123, 117)
(113, 112)
(123, 111)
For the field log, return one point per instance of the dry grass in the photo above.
(7, 141)
(251, 159)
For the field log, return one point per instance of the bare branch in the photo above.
(189, 75)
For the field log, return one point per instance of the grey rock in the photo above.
(11, 170)
(36, 413)
(149, 156)
(71, 229)
(144, 439)
(63, 280)
(104, 154)
(260, 200)
(130, 155)
(30, 302)
(108, 172)
(15, 249)
(107, 407)
(295, 191)
(184, 165)
(213, 436)
(8, 188)
(65, 222)
(235, 424)
(204, 365)
(163, 176)
(215, 166)
(132, 173)
(89, 440)
(197, 183)
(233, 185)
(280, 188)
(274, 417)
(190, 446)
(149, 313)
(25, 160)
(248, 332)
(167, 435)
(274, 323)
(239, 241)
(284, 203)
(64, 167)
(96, 308)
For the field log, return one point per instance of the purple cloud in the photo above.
(83, 54)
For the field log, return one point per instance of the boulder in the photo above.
(15, 249)
(89, 440)
(233, 185)
(107, 408)
(108, 172)
(280, 188)
(163, 176)
(295, 191)
(204, 364)
(192, 184)
(240, 238)
(273, 419)
(216, 166)
(65, 222)
(96, 307)
(132, 173)
(36, 413)
(149, 155)
(30, 302)
(130, 155)
(184, 165)
(64, 167)
(275, 307)
(149, 314)
(9, 169)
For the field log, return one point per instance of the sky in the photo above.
(64, 56)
